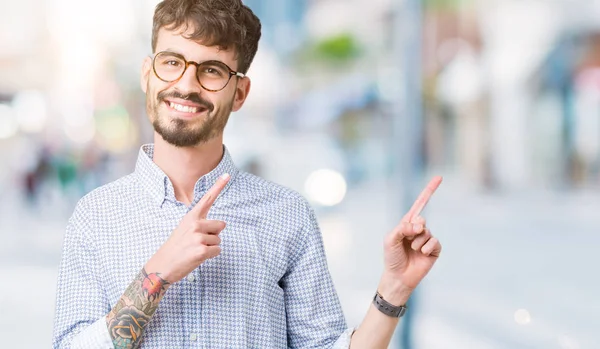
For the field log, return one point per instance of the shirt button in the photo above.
(193, 337)
(191, 278)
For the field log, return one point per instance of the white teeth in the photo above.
(183, 108)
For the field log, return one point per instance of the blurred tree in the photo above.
(445, 4)
(341, 47)
(337, 51)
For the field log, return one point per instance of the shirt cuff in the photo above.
(344, 341)
(95, 336)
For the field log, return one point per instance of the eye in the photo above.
(173, 63)
(212, 71)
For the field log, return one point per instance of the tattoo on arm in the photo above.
(127, 320)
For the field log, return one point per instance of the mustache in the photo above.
(192, 97)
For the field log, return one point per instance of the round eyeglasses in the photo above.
(213, 76)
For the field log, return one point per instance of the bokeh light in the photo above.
(8, 122)
(30, 109)
(325, 187)
(522, 317)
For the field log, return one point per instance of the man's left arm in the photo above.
(410, 251)
(314, 315)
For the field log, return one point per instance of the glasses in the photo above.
(213, 76)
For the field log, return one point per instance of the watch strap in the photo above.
(387, 308)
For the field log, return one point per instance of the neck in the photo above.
(184, 166)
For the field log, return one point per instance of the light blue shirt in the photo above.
(269, 288)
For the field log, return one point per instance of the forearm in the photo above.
(127, 320)
(377, 329)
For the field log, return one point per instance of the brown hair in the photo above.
(223, 23)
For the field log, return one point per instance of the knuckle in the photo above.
(389, 239)
(201, 240)
(414, 245)
(209, 239)
(201, 252)
(197, 226)
(417, 228)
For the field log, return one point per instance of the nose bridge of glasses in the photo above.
(187, 67)
(188, 63)
(187, 83)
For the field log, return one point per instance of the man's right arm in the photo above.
(80, 321)
(81, 303)
(126, 321)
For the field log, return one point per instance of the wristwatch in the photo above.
(388, 309)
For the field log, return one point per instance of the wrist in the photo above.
(153, 268)
(394, 290)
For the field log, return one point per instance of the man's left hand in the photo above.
(410, 251)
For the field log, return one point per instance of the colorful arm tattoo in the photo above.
(127, 320)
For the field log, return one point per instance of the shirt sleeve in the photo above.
(81, 304)
(314, 314)
(343, 341)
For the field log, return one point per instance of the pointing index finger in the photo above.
(203, 206)
(423, 198)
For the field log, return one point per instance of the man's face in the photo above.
(182, 112)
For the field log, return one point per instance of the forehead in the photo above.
(175, 41)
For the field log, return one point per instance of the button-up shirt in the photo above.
(269, 288)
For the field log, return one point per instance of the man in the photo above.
(234, 261)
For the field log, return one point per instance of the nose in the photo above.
(188, 83)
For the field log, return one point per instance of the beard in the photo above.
(187, 133)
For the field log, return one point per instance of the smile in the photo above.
(185, 108)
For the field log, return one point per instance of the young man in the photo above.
(254, 275)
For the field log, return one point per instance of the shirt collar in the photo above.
(159, 186)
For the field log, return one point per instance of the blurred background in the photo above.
(356, 104)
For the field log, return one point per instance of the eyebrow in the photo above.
(173, 50)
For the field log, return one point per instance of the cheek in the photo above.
(152, 102)
(156, 86)
(225, 99)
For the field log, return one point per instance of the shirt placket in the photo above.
(197, 315)
(192, 319)
(193, 330)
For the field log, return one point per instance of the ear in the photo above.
(145, 76)
(242, 89)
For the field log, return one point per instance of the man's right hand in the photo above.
(195, 240)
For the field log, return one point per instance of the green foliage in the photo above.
(445, 4)
(342, 47)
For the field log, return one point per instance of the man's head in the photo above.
(189, 104)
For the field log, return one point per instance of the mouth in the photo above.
(185, 109)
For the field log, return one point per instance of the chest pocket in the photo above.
(247, 261)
